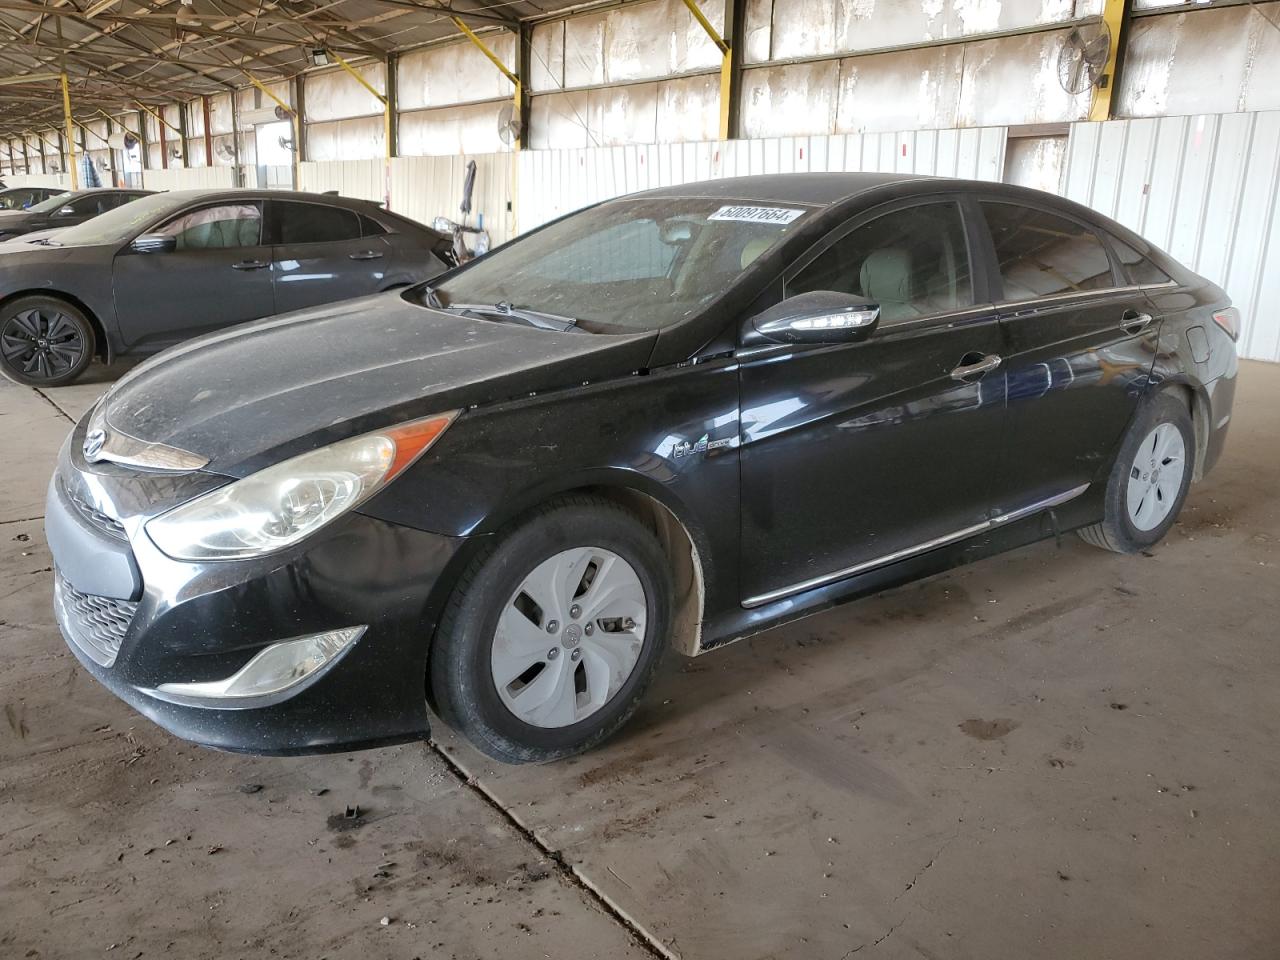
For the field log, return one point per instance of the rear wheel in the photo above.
(1149, 481)
(44, 342)
(554, 632)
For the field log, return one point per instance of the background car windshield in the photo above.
(52, 204)
(124, 221)
(628, 265)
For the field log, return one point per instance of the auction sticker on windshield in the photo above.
(756, 214)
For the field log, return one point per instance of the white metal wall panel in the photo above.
(423, 188)
(556, 182)
(1204, 188)
(364, 179)
(189, 178)
(38, 180)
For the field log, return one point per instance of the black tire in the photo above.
(462, 685)
(44, 341)
(1117, 531)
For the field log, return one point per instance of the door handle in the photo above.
(250, 265)
(976, 369)
(365, 255)
(1133, 322)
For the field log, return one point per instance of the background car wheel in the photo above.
(1149, 480)
(44, 342)
(553, 633)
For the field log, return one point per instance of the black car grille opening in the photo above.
(96, 625)
(96, 518)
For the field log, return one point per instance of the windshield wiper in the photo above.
(431, 298)
(534, 318)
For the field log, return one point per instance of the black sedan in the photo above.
(670, 420)
(23, 198)
(170, 266)
(65, 208)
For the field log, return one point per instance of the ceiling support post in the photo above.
(71, 140)
(1115, 14)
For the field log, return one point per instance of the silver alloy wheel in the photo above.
(1155, 478)
(569, 637)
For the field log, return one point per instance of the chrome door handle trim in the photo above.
(985, 365)
(1135, 324)
(250, 265)
(365, 255)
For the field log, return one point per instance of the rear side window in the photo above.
(314, 223)
(1138, 268)
(370, 227)
(912, 262)
(1041, 254)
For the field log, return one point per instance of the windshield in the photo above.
(627, 265)
(53, 203)
(120, 224)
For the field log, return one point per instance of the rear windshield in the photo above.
(628, 265)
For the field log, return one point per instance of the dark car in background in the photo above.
(175, 265)
(672, 419)
(22, 198)
(64, 209)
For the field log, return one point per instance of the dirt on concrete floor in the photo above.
(1055, 753)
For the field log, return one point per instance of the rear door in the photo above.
(219, 274)
(322, 255)
(1079, 342)
(854, 455)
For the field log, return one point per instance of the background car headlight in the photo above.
(278, 506)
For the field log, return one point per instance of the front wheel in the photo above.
(1149, 480)
(554, 632)
(44, 342)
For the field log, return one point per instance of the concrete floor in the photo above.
(1055, 753)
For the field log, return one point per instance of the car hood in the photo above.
(258, 393)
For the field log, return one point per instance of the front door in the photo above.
(856, 455)
(218, 274)
(1079, 345)
(321, 257)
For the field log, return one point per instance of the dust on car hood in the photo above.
(261, 392)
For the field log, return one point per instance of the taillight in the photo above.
(1228, 320)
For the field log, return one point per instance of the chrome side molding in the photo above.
(998, 520)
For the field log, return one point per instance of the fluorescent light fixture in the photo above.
(319, 57)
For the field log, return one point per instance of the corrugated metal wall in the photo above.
(189, 178)
(1206, 189)
(555, 182)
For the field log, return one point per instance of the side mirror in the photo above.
(65, 211)
(154, 243)
(823, 316)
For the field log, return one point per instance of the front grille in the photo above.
(96, 625)
(96, 518)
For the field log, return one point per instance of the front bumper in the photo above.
(200, 622)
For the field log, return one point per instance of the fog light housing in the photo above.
(279, 670)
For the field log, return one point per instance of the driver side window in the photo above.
(217, 228)
(913, 262)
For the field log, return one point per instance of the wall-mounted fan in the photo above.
(1083, 57)
(508, 124)
(283, 113)
(286, 143)
(224, 151)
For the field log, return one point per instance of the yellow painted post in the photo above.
(726, 63)
(518, 97)
(1113, 17)
(386, 119)
(71, 139)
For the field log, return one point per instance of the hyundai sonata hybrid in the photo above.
(670, 420)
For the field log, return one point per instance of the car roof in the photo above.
(817, 189)
(352, 203)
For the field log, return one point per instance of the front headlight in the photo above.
(276, 507)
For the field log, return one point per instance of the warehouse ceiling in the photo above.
(117, 52)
